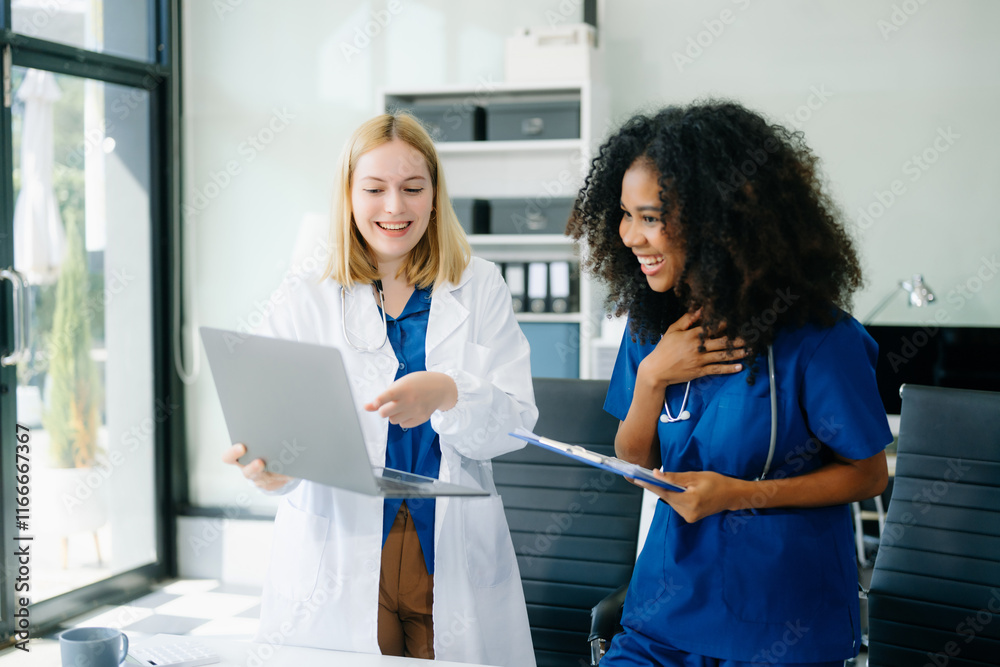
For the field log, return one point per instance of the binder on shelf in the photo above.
(513, 275)
(531, 121)
(524, 216)
(559, 287)
(538, 287)
(473, 214)
(450, 122)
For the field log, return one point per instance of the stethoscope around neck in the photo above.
(377, 284)
(683, 414)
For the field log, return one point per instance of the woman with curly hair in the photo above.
(742, 374)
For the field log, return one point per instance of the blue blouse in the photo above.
(417, 449)
(736, 584)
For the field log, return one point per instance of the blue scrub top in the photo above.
(736, 584)
(417, 449)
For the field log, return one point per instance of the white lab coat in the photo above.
(322, 584)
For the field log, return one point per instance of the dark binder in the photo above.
(514, 276)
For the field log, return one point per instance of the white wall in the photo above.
(296, 76)
(886, 92)
(285, 72)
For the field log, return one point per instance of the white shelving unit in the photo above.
(535, 170)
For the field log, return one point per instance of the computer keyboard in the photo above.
(394, 485)
(171, 651)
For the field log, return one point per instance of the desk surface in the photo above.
(236, 653)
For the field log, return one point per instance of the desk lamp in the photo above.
(920, 296)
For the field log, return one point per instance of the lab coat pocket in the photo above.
(296, 553)
(476, 359)
(489, 551)
(776, 564)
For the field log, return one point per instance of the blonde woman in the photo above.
(435, 353)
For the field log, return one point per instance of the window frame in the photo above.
(160, 77)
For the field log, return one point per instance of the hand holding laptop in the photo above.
(291, 404)
(409, 401)
(255, 470)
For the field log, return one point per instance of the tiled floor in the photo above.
(186, 607)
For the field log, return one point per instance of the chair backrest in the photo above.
(574, 527)
(935, 590)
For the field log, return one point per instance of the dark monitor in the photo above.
(963, 357)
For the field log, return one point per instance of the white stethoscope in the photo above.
(343, 318)
(684, 414)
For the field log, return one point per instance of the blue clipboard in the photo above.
(609, 463)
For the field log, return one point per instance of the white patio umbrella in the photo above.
(39, 238)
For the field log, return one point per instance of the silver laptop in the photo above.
(290, 403)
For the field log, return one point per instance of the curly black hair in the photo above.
(764, 244)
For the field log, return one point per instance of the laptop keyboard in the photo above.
(420, 487)
(388, 484)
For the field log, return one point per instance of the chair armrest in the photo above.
(606, 615)
(605, 623)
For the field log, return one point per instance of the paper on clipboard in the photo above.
(609, 463)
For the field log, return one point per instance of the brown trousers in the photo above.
(405, 594)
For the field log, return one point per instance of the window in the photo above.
(86, 381)
(118, 27)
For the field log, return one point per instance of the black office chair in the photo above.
(935, 590)
(574, 527)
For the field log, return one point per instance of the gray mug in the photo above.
(93, 647)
